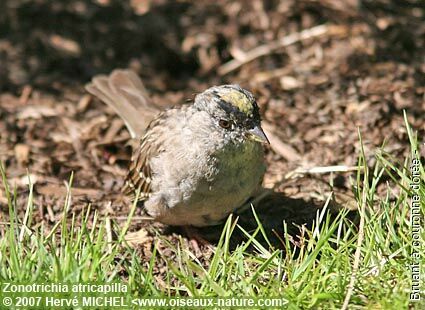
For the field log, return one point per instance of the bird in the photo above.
(196, 163)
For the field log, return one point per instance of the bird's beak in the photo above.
(257, 134)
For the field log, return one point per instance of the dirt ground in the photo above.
(320, 70)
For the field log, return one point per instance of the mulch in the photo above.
(317, 92)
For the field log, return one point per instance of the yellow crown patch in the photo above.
(239, 100)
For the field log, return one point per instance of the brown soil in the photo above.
(361, 71)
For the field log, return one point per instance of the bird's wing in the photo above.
(140, 175)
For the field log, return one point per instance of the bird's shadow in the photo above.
(274, 211)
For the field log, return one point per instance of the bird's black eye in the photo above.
(224, 124)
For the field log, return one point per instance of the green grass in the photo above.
(375, 255)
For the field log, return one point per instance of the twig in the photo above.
(134, 218)
(277, 145)
(26, 93)
(301, 172)
(356, 263)
(50, 213)
(270, 47)
(109, 233)
(137, 237)
(319, 170)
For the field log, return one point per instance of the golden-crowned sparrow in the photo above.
(195, 164)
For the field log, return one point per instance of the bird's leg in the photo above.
(195, 239)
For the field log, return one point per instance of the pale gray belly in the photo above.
(223, 185)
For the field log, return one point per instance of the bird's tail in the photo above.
(125, 93)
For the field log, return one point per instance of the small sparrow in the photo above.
(195, 164)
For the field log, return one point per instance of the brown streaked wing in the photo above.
(140, 174)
